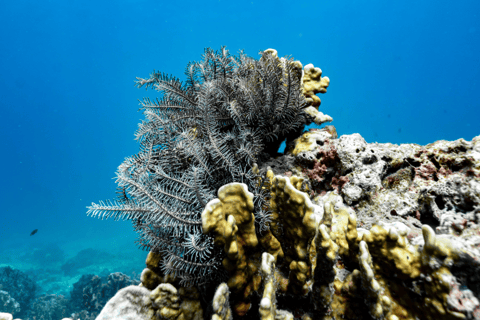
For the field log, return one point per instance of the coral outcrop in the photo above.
(335, 228)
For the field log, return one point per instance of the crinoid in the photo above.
(231, 112)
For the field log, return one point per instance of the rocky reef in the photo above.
(389, 251)
(20, 296)
(334, 228)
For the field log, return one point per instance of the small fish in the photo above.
(33, 232)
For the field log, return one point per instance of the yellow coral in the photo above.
(379, 303)
(165, 297)
(235, 201)
(295, 210)
(294, 220)
(438, 255)
(308, 141)
(230, 218)
(268, 307)
(271, 244)
(324, 259)
(388, 243)
(314, 83)
(386, 256)
(337, 217)
(221, 304)
(267, 304)
(152, 275)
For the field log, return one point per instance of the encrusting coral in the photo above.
(237, 231)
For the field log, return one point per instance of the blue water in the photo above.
(401, 72)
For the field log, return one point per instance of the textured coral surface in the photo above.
(332, 262)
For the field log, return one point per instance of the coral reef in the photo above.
(336, 228)
(437, 184)
(347, 272)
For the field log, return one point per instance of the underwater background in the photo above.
(401, 72)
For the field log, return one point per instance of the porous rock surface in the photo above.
(437, 184)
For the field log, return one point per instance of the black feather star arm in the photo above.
(200, 135)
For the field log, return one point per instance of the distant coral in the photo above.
(8, 304)
(87, 298)
(49, 307)
(19, 286)
(84, 258)
(90, 294)
(47, 255)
